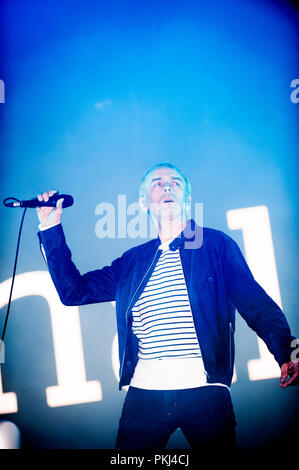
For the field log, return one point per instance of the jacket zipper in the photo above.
(191, 309)
(130, 303)
(230, 343)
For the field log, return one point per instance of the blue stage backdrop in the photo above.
(93, 93)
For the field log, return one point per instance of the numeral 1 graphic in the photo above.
(8, 401)
(72, 386)
(258, 244)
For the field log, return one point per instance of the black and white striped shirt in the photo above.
(162, 317)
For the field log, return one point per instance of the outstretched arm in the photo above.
(72, 287)
(260, 312)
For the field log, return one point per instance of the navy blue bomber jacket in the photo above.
(218, 281)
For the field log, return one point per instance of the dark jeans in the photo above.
(204, 414)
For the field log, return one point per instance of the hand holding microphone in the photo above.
(49, 206)
(49, 215)
(49, 209)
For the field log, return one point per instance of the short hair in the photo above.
(142, 188)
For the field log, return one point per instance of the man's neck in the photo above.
(170, 229)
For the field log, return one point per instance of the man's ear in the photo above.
(143, 204)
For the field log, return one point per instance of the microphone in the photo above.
(32, 203)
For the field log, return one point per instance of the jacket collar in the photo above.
(189, 235)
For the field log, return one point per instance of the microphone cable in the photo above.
(14, 273)
(10, 199)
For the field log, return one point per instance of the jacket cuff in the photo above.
(50, 238)
(46, 227)
(286, 354)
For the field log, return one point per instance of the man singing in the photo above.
(176, 297)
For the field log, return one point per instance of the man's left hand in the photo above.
(290, 369)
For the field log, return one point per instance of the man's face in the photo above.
(165, 194)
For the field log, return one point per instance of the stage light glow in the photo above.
(10, 436)
(72, 386)
(259, 251)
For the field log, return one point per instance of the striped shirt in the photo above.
(162, 317)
